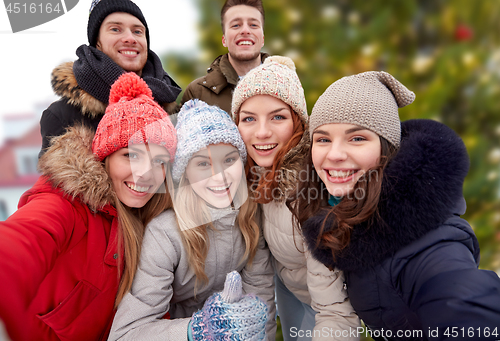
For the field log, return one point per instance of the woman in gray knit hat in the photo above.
(188, 250)
(270, 110)
(389, 215)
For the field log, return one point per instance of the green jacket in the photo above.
(217, 86)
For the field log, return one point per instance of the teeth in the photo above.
(221, 188)
(245, 43)
(137, 188)
(128, 52)
(340, 174)
(265, 146)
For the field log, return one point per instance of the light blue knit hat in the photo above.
(200, 125)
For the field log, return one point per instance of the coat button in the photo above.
(115, 256)
(345, 286)
(204, 82)
(214, 87)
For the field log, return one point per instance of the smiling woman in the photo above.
(188, 250)
(69, 253)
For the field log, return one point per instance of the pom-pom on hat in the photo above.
(132, 117)
(100, 9)
(369, 99)
(200, 125)
(275, 77)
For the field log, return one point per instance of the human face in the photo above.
(342, 153)
(123, 38)
(137, 172)
(243, 33)
(265, 124)
(214, 173)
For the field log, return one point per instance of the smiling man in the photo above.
(242, 24)
(118, 42)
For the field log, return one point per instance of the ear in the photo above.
(224, 41)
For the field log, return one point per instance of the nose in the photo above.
(337, 152)
(263, 130)
(128, 37)
(245, 28)
(142, 170)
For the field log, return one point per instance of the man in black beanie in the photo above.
(118, 42)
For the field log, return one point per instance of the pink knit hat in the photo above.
(132, 117)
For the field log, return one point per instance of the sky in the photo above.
(27, 58)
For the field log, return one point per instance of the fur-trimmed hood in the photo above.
(70, 165)
(65, 85)
(422, 188)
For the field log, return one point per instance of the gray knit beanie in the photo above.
(200, 125)
(369, 100)
(275, 77)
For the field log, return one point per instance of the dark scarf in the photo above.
(422, 187)
(95, 72)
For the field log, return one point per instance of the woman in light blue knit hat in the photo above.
(188, 250)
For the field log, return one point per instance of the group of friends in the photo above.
(206, 220)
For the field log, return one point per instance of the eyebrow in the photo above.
(207, 157)
(121, 23)
(269, 113)
(140, 151)
(348, 131)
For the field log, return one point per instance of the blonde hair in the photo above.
(193, 227)
(132, 223)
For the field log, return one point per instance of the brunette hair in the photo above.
(252, 3)
(132, 222)
(350, 211)
(262, 185)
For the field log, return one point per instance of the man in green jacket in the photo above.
(242, 24)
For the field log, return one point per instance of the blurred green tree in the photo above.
(446, 51)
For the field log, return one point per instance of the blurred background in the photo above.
(446, 51)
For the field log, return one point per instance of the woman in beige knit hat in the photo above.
(389, 215)
(270, 110)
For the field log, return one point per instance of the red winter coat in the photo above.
(58, 252)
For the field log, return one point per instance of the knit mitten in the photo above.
(227, 315)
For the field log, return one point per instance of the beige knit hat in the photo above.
(275, 77)
(370, 100)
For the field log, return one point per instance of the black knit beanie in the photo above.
(100, 9)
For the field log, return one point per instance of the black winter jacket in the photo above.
(413, 274)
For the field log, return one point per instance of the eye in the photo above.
(230, 160)
(279, 117)
(358, 139)
(235, 26)
(203, 164)
(114, 29)
(131, 156)
(248, 119)
(159, 162)
(322, 140)
(138, 32)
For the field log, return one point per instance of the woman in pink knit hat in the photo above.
(69, 253)
(270, 110)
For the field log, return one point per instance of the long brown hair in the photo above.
(361, 206)
(262, 185)
(132, 222)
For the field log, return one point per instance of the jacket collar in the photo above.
(421, 189)
(70, 165)
(65, 85)
(217, 81)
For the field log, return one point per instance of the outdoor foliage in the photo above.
(446, 51)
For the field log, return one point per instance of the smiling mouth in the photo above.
(245, 42)
(220, 189)
(130, 53)
(265, 147)
(341, 174)
(136, 188)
